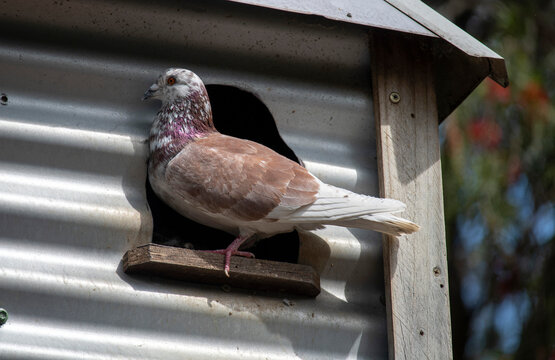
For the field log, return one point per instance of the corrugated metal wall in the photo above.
(72, 180)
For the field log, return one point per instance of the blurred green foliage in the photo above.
(498, 154)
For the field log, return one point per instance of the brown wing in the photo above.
(239, 178)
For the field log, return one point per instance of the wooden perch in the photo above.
(205, 267)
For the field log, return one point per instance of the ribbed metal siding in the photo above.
(72, 173)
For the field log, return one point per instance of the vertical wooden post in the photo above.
(417, 297)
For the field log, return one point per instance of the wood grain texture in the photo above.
(206, 267)
(409, 166)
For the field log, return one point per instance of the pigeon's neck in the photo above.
(178, 123)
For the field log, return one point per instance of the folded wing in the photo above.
(246, 181)
(238, 178)
(336, 206)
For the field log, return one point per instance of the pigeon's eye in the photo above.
(171, 80)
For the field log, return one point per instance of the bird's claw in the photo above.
(228, 253)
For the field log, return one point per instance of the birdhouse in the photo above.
(353, 90)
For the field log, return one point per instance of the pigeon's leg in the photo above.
(233, 249)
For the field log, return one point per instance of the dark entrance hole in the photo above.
(241, 114)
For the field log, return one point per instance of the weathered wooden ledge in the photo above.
(205, 267)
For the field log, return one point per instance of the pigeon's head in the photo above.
(174, 85)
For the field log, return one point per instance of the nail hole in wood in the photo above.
(394, 97)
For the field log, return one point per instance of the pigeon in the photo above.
(240, 186)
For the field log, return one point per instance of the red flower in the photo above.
(533, 94)
(534, 99)
(485, 132)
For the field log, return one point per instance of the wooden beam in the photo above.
(205, 267)
(409, 166)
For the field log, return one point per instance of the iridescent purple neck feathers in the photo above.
(178, 123)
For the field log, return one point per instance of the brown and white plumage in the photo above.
(240, 186)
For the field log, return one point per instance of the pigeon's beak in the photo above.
(151, 92)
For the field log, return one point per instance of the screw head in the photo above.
(437, 271)
(3, 316)
(394, 97)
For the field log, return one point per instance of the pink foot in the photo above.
(231, 250)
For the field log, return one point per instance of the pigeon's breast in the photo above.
(188, 206)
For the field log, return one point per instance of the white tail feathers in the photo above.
(384, 223)
(336, 206)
